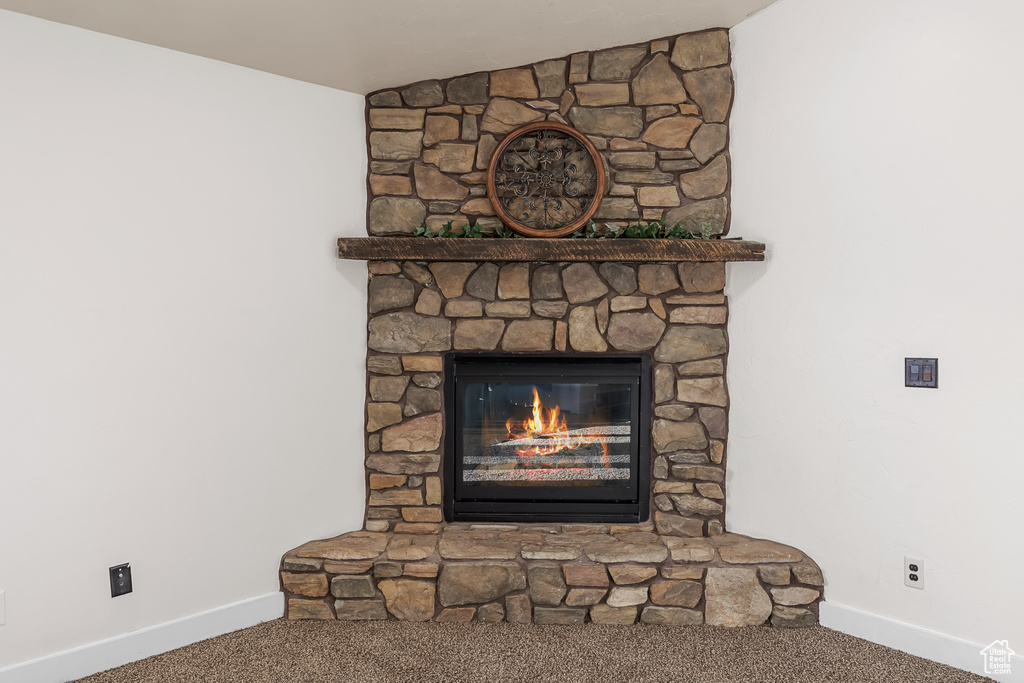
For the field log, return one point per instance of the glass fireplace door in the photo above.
(547, 438)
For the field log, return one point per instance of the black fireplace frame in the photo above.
(550, 503)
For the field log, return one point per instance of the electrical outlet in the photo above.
(120, 580)
(3, 607)
(913, 572)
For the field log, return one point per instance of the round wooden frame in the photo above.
(599, 187)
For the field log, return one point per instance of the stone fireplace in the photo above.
(658, 112)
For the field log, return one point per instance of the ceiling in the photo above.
(364, 45)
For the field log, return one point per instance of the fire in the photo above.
(553, 427)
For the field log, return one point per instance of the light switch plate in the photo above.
(921, 372)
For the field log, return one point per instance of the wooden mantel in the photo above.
(542, 249)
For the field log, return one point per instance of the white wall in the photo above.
(180, 376)
(877, 150)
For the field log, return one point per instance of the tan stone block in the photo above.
(582, 597)
(659, 46)
(386, 481)
(405, 547)
(660, 111)
(712, 366)
(567, 100)
(432, 184)
(708, 181)
(484, 150)
(451, 157)
(347, 567)
(308, 585)
(514, 281)
(419, 528)
(676, 593)
(433, 485)
(377, 525)
(809, 574)
(396, 146)
(756, 551)
(423, 570)
(586, 575)
(626, 596)
(699, 315)
(422, 363)
(652, 214)
(657, 83)
(397, 119)
(679, 573)
(704, 390)
(440, 128)
(602, 94)
(701, 50)
(657, 196)
(625, 574)
(422, 514)
(708, 141)
(776, 575)
(478, 207)
(710, 490)
(459, 615)
(671, 616)
(446, 109)
(396, 497)
(712, 90)
(380, 415)
(632, 160)
(300, 564)
(628, 303)
(673, 487)
(673, 132)
(516, 83)
(308, 609)
(390, 184)
(425, 94)
(478, 335)
(583, 334)
(550, 77)
(502, 116)
(561, 335)
(408, 599)
(579, 67)
(616, 64)
(508, 309)
(695, 299)
(464, 309)
(428, 303)
(617, 121)
(395, 215)
(518, 609)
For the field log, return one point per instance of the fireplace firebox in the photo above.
(547, 437)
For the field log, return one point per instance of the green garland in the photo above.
(641, 230)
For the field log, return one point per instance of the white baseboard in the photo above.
(938, 647)
(130, 647)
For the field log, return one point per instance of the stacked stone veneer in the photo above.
(679, 568)
(658, 112)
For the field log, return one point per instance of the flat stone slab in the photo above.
(354, 546)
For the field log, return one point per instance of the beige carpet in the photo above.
(399, 652)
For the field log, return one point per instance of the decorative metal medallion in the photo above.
(545, 180)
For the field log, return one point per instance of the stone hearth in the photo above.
(552, 574)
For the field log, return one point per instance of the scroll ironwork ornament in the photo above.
(545, 179)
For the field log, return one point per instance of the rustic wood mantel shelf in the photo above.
(542, 249)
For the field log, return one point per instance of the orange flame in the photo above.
(554, 427)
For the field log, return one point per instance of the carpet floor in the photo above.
(400, 652)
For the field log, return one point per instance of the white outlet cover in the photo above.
(919, 563)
